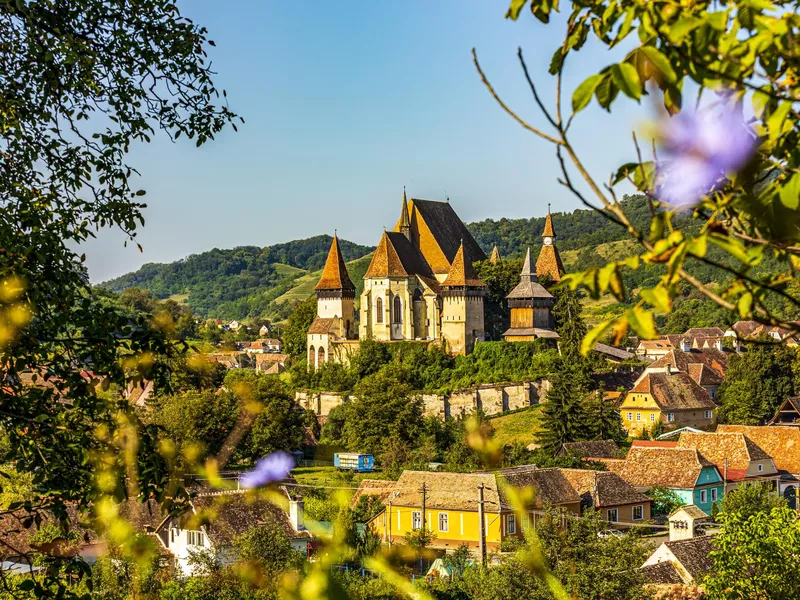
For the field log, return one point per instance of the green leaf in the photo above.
(744, 305)
(682, 28)
(790, 192)
(660, 63)
(760, 101)
(627, 79)
(606, 91)
(595, 335)
(775, 120)
(515, 8)
(658, 298)
(557, 61)
(642, 322)
(732, 246)
(583, 93)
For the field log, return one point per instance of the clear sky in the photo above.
(347, 102)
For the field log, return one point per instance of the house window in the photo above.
(416, 520)
(652, 417)
(398, 310)
(511, 524)
(443, 524)
(708, 414)
(630, 416)
(713, 494)
(638, 416)
(613, 515)
(194, 538)
(703, 496)
(670, 417)
(760, 468)
(638, 513)
(379, 310)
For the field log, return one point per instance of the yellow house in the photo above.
(669, 397)
(452, 504)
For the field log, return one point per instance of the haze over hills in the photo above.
(251, 282)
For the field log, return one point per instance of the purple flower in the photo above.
(700, 148)
(274, 467)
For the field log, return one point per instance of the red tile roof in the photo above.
(334, 275)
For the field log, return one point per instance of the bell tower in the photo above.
(335, 291)
(549, 262)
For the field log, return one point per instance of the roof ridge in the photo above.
(334, 274)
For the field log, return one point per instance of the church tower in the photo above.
(531, 307)
(462, 306)
(549, 261)
(335, 292)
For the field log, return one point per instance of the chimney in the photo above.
(296, 513)
(686, 346)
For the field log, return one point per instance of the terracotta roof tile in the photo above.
(675, 391)
(455, 491)
(781, 443)
(549, 263)
(717, 447)
(396, 256)
(322, 325)
(603, 488)
(550, 485)
(693, 554)
(376, 488)
(548, 226)
(704, 331)
(462, 273)
(661, 573)
(334, 275)
(495, 257)
(670, 467)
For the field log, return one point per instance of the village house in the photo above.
(452, 504)
(707, 366)
(742, 331)
(263, 331)
(788, 413)
(263, 345)
(653, 349)
(685, 471)
(738, 459)
(669, 397)
(271, 364)
(782, 444)
(217, 519)
(612, 497)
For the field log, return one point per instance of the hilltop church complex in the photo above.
(421, 285)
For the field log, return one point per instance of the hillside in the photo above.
(236, 283)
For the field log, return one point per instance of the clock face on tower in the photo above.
(548, 241)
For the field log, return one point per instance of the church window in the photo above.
(320, 357)
(311, 354)
(398, 310)
(379, 310)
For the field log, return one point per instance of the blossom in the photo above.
(274, 467)
(700, 149)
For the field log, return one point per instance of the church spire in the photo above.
(549, 261)
(495, 257)
(462, 272)
(405, 222)
(334, 275)
(527, 272)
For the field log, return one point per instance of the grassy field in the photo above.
(289, 270)
(609, 251)
(516, 427)
(329, 477)
(304, 286)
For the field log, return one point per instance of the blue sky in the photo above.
(347, 102)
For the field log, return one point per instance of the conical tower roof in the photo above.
(495, 257)
(405, 221)
(548, 225)
(528, 286)
(462, 273)
(334, 275)
(549, 261)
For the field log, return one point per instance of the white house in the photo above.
(217, 519)
(263, 331)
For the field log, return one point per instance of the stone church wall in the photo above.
(493, 399)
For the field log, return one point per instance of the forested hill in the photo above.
(575, 230)
(235, 283)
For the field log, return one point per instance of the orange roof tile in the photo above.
(462, 273)
(670, 467)
(495, 257)
(396, 256)
(781, 443)
(717, 447)
(548, 226)
(549, 263)
(334, 275)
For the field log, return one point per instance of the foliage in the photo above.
(237, 283)
(754, 556)
(367, 508)
(500, 278)
(419, 539)
(267, 547)
(739, 222)
(602, 419)
(664, 500)
(563, 414)
(748, 500)
(458, 560)
(757, 382)
(294, 335)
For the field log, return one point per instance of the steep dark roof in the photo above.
(711, 358)
(396, 256)
(693, 554)
(613, 352)
(462, 273)
(447, 229)
(661, 573)
(675, 391)
(231, 515)
(593, 449)
(603, 488)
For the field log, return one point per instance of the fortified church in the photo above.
(421, 285)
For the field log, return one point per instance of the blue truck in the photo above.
(354, 461)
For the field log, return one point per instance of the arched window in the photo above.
(379, 310)
(320, 357)
(398, 310)
(311, 356)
